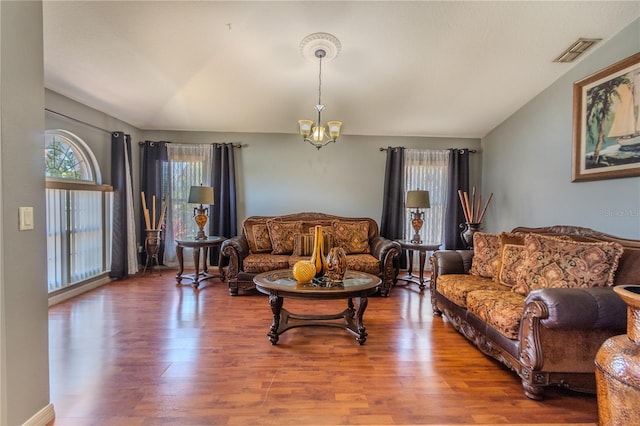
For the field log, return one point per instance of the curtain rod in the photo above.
(472, 151)
(100, 128)
(235, 145)
(77, 121)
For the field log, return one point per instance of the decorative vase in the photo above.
(618, 367)
(467, 233)
(317, 257)
(152, 246)
(336, 265)
(304, 271)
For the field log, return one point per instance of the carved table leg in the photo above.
(196, 262)
(423, 257)
(410, 261)
(180, 263)
(276, 307)
(362, 305)
(350, 312)
(205, 259)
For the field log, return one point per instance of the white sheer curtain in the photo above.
(189, 164)
(426, 169)
(132, 245)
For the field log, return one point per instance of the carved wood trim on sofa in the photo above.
(555, 346)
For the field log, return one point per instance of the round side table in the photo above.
(197, 245)
(422, 248)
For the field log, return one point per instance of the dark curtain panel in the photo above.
(392, 221)
(458, 180)
(153, 172)
(223, 217)
(120, 167)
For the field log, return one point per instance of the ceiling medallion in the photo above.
(323, 41)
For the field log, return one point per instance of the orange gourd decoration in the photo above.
(304, 271)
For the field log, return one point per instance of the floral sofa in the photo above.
(278, 242)
(539, 300)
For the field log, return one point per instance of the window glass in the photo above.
(66, 158)
(78, 219)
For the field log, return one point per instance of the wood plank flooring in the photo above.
(144, 351)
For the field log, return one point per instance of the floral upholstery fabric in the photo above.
(456, 287)
(282, 235)
(257, 235)
(486, 255)
(511, 264)
(352, 236)
(263, 262)
(355, 262)
(506, 238)
(500, 309)
(363, 263)
(552, 262)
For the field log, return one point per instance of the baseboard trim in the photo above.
(42, 417)
(76, 291)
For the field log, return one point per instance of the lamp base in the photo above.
(416, 222)
(201, 218)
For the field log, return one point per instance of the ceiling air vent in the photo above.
(576, 49)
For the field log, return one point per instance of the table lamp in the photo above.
(417, 200)
(201, 195)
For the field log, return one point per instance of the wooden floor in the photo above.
(147, 352)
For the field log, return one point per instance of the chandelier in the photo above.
(321, 45)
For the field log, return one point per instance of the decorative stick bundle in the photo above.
(150, 222)
(473, 213)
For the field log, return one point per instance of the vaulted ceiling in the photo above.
(417, 68)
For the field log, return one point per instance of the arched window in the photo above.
(78, 212)
(67, 157)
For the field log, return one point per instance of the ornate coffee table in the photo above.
(280, 284)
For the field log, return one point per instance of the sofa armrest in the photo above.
(597, 307)
(236, 249)
(451, 262)
(386, 251)
(382, 248)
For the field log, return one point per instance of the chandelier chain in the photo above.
(320, 83)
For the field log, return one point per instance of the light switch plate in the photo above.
(26, 218)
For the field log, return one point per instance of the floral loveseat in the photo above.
(539, 300)
(278, 242)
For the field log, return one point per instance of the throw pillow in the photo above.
(303, 243)
(553, 262)
(257, 235)
(486, 255)
(511, 262)
(506, 238)
(282, 235)
(352, 236)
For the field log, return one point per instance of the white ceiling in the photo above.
(418, 68)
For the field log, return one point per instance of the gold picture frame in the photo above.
(606, 123)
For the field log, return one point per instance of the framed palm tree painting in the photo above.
(606, 123)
